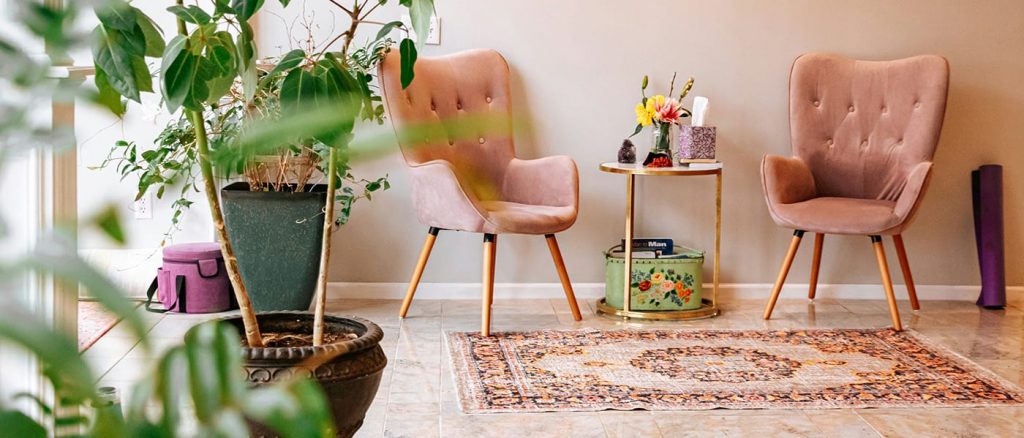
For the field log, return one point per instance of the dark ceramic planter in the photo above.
(350, 380)
(277, 238)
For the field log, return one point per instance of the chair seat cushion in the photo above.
(838, 215)
(512, 217)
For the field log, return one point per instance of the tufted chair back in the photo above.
(463, 87)
(861, 126)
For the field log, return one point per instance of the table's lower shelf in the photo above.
(706, 310)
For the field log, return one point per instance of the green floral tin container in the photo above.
(667, 282)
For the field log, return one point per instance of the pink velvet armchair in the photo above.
(863, 134)
(475, 183)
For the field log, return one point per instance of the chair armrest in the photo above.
(439, 198)
(551, 181)
(786, 180)
(912, 192)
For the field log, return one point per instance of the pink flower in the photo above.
(667, 110)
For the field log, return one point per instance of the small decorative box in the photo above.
(696, 144)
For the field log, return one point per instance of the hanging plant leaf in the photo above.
(247, 60)
(172, 85)
(106, 96)
(289, 61)
(117, 15)
(407, 50)
(386, 29)
(119, 57)
(419, 13)
(299, 90)
(245, 9)
(190, 14)
(153, 36)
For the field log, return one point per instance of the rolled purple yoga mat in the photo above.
(987, 188)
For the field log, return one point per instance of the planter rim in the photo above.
(241, 189)
(367, 340)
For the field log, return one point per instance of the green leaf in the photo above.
(223, 59)
(143, 78)
(52, 256)
(222, 7)
(17, 424)
(174, 71)
(106, 96)
(190, 14)
(293, 409)
(171, 378)
(419, 13)
(299, 89)
(57, 351)
(407, 50)
(153, 36)
(219, 87)
(636, 131)
(116, 55)
(247, 60)
(245, 9)
(202, 368)
(184, 81)
(387, 28)
(107, 221)
(117, 15)
(289, 61)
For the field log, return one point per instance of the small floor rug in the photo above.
(94, 321)
(592, 370)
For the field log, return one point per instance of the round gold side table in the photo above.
(708, 308)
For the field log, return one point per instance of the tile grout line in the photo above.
(872, 426)
(126, 353)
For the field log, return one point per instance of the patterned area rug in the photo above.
(592, 370)
(93, 322)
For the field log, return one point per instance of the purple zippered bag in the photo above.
(193, 279)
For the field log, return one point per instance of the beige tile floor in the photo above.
(417, 396)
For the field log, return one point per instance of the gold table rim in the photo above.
(675, 170)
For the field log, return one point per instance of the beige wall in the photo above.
(576, 66)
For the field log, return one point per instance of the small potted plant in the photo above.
(212, 53)
(662, 112)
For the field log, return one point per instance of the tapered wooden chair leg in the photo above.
(812, 289)
(783, 272)
(556, 255)
(428, 245)
(490, 245)
(901, 254)
(890, 296)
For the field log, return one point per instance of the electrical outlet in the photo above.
(433, 36)
(144, 206)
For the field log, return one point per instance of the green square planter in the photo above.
(277, 238)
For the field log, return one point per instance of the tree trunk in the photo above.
(252, 329)
(325, 250)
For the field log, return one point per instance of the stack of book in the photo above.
(648, 247)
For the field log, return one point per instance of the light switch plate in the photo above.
(433, 36)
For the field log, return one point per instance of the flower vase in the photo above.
(661, 149)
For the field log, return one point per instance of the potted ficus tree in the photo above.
(323, 94)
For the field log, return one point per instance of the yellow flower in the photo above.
(643, 116)
(657, 277)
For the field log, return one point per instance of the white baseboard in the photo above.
(455, 291)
